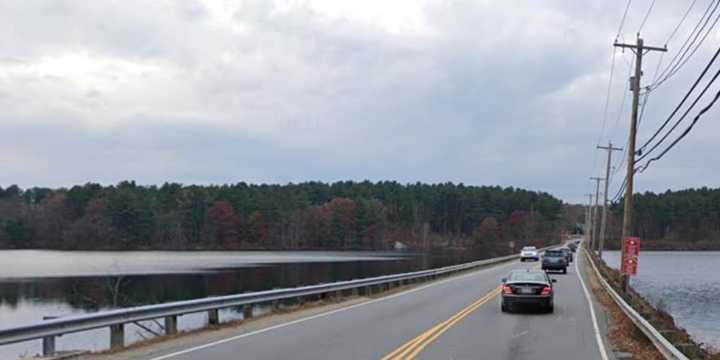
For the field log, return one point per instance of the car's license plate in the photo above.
(525, 291)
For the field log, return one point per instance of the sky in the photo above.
(508, 93)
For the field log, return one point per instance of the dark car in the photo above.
(568, 254)
(572, 246)
(555, 260)
(527, 287)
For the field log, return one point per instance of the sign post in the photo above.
(630, 258)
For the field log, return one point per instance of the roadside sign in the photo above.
(630, 257)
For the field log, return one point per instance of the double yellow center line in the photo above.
(413, 347)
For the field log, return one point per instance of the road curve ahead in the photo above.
(455, 318)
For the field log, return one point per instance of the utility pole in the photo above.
(603, 225)
(595, 236)
(588, 221)
(639, 49)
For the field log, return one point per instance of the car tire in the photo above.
(503, 308)
(565, 271)
(550, 309)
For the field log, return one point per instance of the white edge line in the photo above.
(600, 343)
(259, 331)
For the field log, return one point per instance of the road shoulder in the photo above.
(618, 333)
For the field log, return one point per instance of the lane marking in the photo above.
(420, 338)
(425, 343)
(413, 347)
(596, 328)
(328, 313)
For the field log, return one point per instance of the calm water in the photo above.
(687, 284)
(34, 284)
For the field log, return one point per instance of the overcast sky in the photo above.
(507, 93)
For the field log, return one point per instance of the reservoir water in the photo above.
(686, 284)
(35, 284)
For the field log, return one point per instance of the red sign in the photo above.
(630, 257)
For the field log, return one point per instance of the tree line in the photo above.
(683, 220)
(312, 215)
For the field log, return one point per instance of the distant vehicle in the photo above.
(555, 260)
(527, 287)
(572, 246)
(568, 254)
(529, 253)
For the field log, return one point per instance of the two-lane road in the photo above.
(455, 318)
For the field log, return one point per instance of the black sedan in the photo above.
(527, 287)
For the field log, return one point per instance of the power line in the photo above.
(622, 21)
(677, 108)
(647, 14)
(681, 57)
(624, 99)
(672, 34)
(687, 131)
(620, 191)
(687, 58)
(607, 95)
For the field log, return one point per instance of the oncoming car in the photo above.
(527, 287)
(529, 253)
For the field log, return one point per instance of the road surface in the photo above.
(454, 318)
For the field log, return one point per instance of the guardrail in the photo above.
(665, 347)
(116, 319)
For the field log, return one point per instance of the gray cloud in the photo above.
(508, 93)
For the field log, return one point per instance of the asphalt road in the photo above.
(463, 313)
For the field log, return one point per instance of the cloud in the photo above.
(508, 93)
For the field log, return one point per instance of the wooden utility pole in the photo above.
(603, 225)
(639, 49)
(588, 221)
(595, 214)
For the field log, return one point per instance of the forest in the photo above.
(338, 216)
(678, 220)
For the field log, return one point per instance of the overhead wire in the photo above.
(684, 53)
(642, 148)
(684, 133)
(622, 21)
(647, 14)
(677, 27)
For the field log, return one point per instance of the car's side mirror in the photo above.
(553, 280)
(504, 280)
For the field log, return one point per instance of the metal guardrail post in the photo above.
(213, 317)
(117, 336)
(49, 341)
(247, 311)
(171, 325)
(49, 346)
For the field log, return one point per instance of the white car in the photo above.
(529, 253)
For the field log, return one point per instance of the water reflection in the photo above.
(27, 300)
(96, 292)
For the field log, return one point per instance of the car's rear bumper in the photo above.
(527, 299)
(533, 258)
(554, 266)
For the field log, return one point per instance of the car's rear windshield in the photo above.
(554, 253)
(527, 276)
(529, 248)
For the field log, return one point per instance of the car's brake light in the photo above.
(546, 291)
(507, 290)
